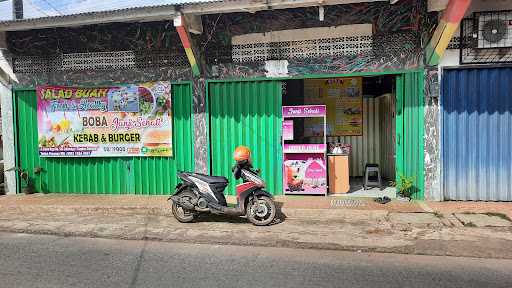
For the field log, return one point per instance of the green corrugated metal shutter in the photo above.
(157, 175)
(117, 175)
(410, 129)
(247, 113)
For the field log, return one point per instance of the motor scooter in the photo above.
(200, 193)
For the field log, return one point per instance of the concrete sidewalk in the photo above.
(348, 224)
(158, 205)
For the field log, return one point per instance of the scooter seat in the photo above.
(210, 179)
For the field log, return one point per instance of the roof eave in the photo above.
(166, 12)
(251, 6)
(128, 15)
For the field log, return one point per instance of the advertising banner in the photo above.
(304, 166)
(305, 173)
(288, 130)
(123, 120)
(304, 111)
(343, 98)
(304, 148)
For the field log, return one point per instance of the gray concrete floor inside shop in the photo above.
(357, 189)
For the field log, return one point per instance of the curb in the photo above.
(421, 247)
(335, 214)
(290, 213)
(86, 210)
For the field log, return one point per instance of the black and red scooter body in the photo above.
(209, 191)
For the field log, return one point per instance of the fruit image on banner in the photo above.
(124, 120)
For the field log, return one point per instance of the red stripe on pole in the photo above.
(456, 10)
(183, 36)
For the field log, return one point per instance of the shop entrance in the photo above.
(382, 121)
(360, 132)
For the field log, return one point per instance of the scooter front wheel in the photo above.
(261, 211)
(181, 214)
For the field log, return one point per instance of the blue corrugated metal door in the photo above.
(477, 134)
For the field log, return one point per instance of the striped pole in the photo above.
(448, 25)
(179, 23)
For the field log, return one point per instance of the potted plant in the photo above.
(27, 185)
(405, 186)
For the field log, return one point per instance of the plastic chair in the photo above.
(374, 181)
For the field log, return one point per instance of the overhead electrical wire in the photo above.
(69, 7)
(29, 2)
(51, 6)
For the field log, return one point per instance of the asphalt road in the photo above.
(49, 261)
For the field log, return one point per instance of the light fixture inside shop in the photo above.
(321, 13)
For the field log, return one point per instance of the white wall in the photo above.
(452, 57)
(476, 5)
(8, 136)
(489, 5)
(7, 121)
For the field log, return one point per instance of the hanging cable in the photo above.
(51, 6)
(29, 2)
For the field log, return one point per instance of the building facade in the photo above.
(476, 111)
(234, 65)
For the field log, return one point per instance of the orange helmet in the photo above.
(242, 153)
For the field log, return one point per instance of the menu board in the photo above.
(343, 98)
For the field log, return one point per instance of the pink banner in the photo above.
(304, 111)
(305, 174)
(304, 166)
(304, 148)
(123, 120)
(288, 130)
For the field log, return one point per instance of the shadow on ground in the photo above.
(208, 217)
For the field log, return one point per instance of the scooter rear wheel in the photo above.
(261, 211)
(181, 214)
